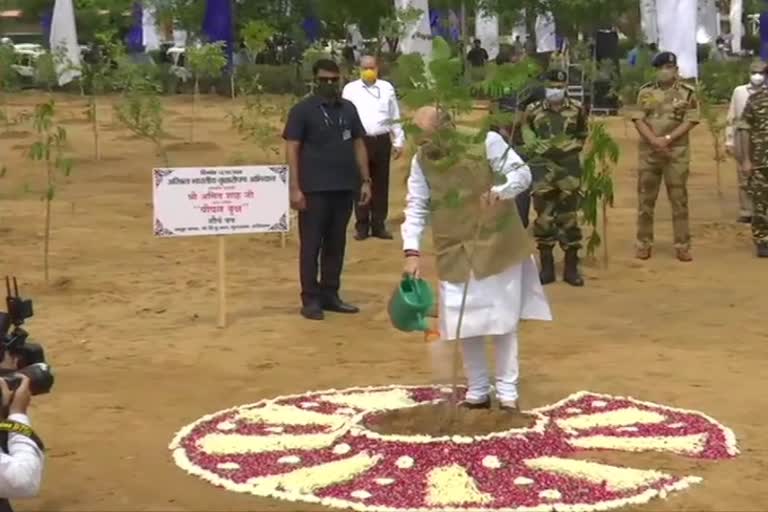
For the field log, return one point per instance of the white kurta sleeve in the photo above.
(416, 208)
(21, 469)
(505, 160)
(398, 135)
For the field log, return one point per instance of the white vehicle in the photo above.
(177, 56)
(26, 59)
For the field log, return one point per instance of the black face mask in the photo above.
(327, 90)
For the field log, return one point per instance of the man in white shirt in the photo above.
(739, 99)
(21, 461)
(377, 106)
(501, 277)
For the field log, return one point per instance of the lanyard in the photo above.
(328, 118)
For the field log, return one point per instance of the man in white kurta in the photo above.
(732, 145)
(496, 303)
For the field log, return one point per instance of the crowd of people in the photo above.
(339, 145)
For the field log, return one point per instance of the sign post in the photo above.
(220, 201)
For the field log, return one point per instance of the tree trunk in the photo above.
(605, 232)
(95, 126)
(464, 40)
(195, 95)
(47, 233)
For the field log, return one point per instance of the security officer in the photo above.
(666, 112)
(557, 191)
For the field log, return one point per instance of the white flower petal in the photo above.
(361, 495)
(491, 461)
(521, 480)
(228, 465)
(289, 459)
(452, 485)
(385, 481)
(573, 410)
(599, 403)
(226, 425)
(341, 449)
(404, 462)
(310, 405)
(550, 494)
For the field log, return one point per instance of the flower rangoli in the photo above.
(316, 448)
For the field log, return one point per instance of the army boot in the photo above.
(547, 272)
(571, 273)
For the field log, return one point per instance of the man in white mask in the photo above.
(732, 136)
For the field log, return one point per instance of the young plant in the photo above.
(597, 184)
(101, 75)
(253, 123)
(142, 113)
(204, 61)
(45, 72)
(49, 149)
(716, 124)
(255, 35)
(9, 81)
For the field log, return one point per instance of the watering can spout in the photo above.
(410, 304)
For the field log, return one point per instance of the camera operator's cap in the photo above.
(757, 66)
(663, 59)
(556, 76)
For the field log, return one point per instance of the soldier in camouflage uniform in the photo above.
(666, 112)
(755, 167)
(557, 191)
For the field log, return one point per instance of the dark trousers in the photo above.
(374, 214)
(323, 236)
(523, 201)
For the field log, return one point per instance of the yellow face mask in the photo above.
(369, 75)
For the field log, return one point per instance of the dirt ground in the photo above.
(129, 322)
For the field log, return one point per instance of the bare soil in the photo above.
(129, 322)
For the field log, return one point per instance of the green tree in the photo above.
(49, 148)
(206, 61)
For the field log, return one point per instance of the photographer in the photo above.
(21, 460)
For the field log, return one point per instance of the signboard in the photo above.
(198, 201)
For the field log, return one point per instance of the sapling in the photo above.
(205, 61)
(597, 184)
(716, 125)
(142, 114)
(102, 77)
(49, 149)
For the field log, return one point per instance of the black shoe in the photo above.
(571, 273)
(744, 219)
(361, 234)
(476, 406)
(312, 312)
(382, 234)
(337, 305)
(547, 272)
(762, 251)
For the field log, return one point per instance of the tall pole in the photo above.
(464, 39)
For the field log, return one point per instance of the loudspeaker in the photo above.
(606, 45)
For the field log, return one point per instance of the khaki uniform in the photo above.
(664, 110)
(557, 193)
(754, 123)
(455, 209)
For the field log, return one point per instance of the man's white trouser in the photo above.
(476, 368)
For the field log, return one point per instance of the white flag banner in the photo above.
(150, 35)
(708, 23)
(649, 21)
(63, 41)
(677, 33)
(418, 37)
(737, 30)
(546, 38)
(487, 31)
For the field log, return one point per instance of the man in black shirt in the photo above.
(477, 56)
(328, 173)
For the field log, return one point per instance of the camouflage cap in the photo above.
(757, 66)
(555, 75)
(663, 59)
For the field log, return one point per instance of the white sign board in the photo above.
(195, 201)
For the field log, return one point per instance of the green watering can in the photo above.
(410, 304)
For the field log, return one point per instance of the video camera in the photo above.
(13, 340)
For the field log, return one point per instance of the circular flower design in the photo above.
(316, 448)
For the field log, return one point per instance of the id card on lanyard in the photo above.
(346, 133)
